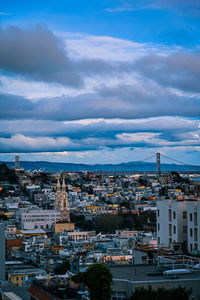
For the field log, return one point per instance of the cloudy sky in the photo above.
(95, 81)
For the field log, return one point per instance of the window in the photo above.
(195, 246)
(170, 215)
(119, 296)
(174, 229)
(184, 229)
(191, 232)
(184, 215)
(190, 217)
(195, 234)
(174, 214)
(158, 213)
(170, 229)
(158, 226)
(195, 219)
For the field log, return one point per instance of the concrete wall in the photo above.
(129, 287)
(2, 251)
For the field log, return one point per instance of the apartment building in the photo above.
(193, 239)
(171, 222)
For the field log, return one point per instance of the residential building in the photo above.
(171, 222)
(2, 251)
(193, 239)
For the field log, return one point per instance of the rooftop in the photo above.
(142, 273)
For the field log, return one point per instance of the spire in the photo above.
(63, 185)
(64, 205)
(58, 194)
(58, 184)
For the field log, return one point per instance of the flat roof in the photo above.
(139, 273)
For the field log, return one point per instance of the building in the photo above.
(2, 251)
(171, 222)
(33, 218)
(62, 205)
(60, 227)
(193, 238)
(129, 277)
(24, 276)
(81, 235)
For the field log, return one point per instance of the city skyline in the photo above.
(98, 81)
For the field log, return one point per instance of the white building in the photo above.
(81, 235)
(33, 244)
(171, 222)
(194, 227)
(33, 218)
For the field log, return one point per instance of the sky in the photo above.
(99, 81)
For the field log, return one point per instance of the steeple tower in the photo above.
(64, 205)
(58, 194)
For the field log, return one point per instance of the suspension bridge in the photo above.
(156, 164)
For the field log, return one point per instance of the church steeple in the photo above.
(65, 216)
(62, 203)
(58, 194)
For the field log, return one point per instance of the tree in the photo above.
(108, 223)
(63, 268)
(161, 294)
(98, 279)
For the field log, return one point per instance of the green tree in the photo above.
(108, 223)
(62, 268)
(98, 279)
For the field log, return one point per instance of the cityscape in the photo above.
(100, 150)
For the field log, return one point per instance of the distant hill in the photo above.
(130, 166)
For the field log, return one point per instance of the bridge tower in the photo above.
(158, 163)
(17, 162)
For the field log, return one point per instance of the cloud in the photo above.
(126, 102)
(36, 54)
(180, 70)
(185, 7)
(111, 49)
(168, 126)
(21, 143)
(50, 136)
(138, 100)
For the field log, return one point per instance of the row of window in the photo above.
(42, 220)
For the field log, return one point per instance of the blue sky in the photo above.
(100, 81)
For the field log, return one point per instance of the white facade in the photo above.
(81, 235)
(171, 222)
(33, 244)
(194, 227)
(39, 218)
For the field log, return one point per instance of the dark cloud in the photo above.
(127, 102)
(22, 143)
(180, 71)
(36, 54)
(169, 126)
